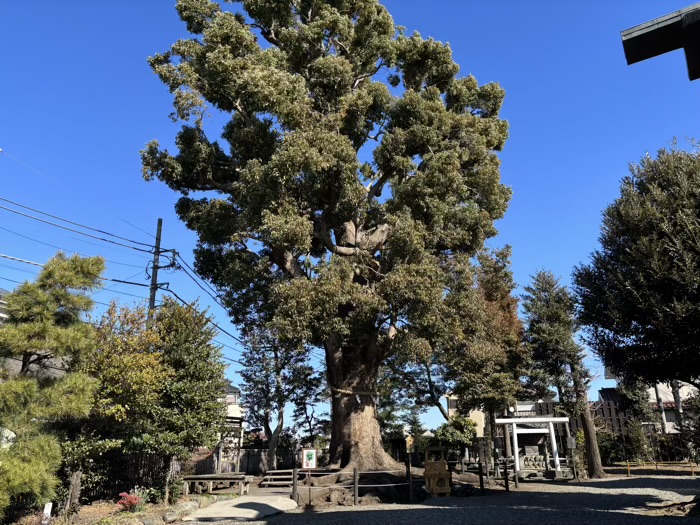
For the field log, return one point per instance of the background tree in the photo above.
(45, 333)
(639, 293)
(311, 423)
(161, 384)
(360, 176)
(486, 366)
(192, 411)
(550, 331)
(274, 374)
(457, 434)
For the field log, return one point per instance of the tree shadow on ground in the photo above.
(514, 508)
(686, 486)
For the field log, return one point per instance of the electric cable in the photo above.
(103, 232)
(64, 249)
(73, 230)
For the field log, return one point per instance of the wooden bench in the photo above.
(208, 482)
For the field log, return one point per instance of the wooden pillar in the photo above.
(506, 441)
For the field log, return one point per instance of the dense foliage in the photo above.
(46, 336)
(550, 333)
(356, 178)
(639, 293)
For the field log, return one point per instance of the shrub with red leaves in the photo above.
(129, 502)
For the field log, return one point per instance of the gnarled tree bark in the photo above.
(356, 440)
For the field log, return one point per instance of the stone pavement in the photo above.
(245, 508)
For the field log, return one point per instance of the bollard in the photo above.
(295, 474)
(355, 488)
(481, 477)
(692, 471)
(628, 470)
(505, 476)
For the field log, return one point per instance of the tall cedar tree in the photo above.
(550, 329)
(639, 294)
(45, 333)
(358, 177)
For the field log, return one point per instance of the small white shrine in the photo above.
(531, 425)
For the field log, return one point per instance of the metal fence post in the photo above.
(355, 488)
(505, 476)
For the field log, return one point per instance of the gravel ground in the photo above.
(624, 501)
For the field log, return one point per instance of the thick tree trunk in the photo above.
(356, 440)
(595, 464)
(272, 448)
(676, 389)
(273, 438)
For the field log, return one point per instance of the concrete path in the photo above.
(244, 508)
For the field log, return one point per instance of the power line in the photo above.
(18, 269)
(120, 281)
(103, 232)
(134, 226)
(237, 339)
(63, 249)
(73, 230)
(22, 163)
(103, 247)
(216, 292)
(216, 298)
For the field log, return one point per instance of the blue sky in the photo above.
(78, 102)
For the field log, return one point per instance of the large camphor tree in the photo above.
(356, 178)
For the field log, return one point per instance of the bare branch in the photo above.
(375, 238)
(285, 260)
(324, 236)
(375, 189)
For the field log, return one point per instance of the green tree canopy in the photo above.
(45, 333)
(354, 180)
(640, 294)
(550, 336)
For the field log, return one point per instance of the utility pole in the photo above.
(154, 272)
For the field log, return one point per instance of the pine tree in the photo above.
(47, 334)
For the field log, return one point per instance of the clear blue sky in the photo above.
(78, 102)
